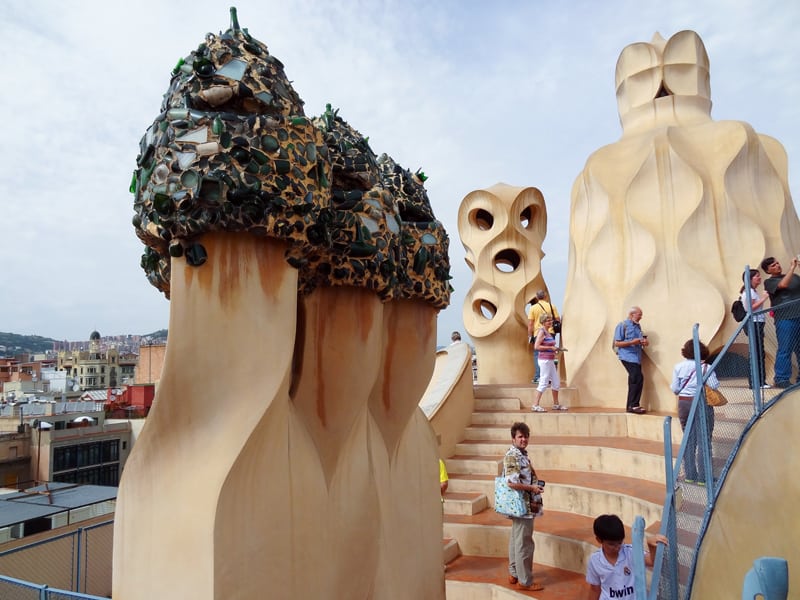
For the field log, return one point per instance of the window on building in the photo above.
(94, 455)
(82, 455)
(110, 451)
(65, 458)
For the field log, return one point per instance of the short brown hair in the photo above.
(522, 428)
(688, 350)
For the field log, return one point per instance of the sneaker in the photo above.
(537, 408)
(781, 384)
(689, 480)
(766, 386)
(559, 407)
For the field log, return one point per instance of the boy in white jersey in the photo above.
(610, 570)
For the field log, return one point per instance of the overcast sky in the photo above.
(472, 92)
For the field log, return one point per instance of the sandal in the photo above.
(537, 408)
(559, 407)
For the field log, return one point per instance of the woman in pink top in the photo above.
(545, 345)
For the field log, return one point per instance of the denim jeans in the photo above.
(693, 466)
(788, 333)
(758, 344)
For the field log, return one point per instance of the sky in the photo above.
(473, 93)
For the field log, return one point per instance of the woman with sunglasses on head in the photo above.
(759, 320)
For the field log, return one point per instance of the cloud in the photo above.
(472, 92)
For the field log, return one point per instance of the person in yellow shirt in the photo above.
(539, 307)
(443, 478)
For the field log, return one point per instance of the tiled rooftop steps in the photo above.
(478, 578)
(595, 460)
(486, 578)
(564, 540)
(631, 457)
(494, 404)
(584, 493)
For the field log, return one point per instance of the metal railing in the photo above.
(16, 589)
(739, 370)
(75, 565)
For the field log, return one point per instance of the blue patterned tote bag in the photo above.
(507, 501)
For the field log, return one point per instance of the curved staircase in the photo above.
(594, 460)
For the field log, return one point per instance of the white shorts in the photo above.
(548, 374)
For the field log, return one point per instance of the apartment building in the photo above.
(69, 442)
(98, 368)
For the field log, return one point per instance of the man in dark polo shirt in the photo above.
(784, 289)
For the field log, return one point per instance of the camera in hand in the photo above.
(540, 483)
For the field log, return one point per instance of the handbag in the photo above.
(714, 397)
(507, 501)
(556, 322)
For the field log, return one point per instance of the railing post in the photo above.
(78, 561)
(699, 407)
(668, 525)
(639, 579)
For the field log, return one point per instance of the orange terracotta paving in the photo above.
(558, 584)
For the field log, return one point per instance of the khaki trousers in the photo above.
(520, 550)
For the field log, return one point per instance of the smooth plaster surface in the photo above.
(756, 513)
(502, 229)
(666, 218)
(285, 456)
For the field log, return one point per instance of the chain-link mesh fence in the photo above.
(753, 368)
(96, 560)
(11, 589)
(76, 564)
(18, 590)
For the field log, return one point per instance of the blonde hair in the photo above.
(543, 317)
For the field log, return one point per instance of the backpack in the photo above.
(738, 311)
(614, 337)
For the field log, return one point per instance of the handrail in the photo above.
(666, 559)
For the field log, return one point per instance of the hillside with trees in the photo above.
(16, 343)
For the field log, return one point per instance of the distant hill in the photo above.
(16, 343)
(20, 344)
(160, 334)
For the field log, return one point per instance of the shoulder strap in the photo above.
(688, 379)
